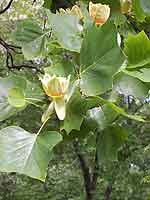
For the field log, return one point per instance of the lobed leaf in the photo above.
(26, 153)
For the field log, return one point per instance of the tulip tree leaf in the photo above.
(67, 30)
(109, 142)
(100, 60)
(129, 85)
(75, 111)
(115, 5)
(6, 84)
(30, 37)
(114, 108)
(34, 48)
(26, 153)
(143, 74)
(64, 68)
(102, 117)
(16, 97)
(137, 57)
(138, 10)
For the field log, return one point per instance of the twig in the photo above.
(6, 8)
(33, 2)
(9, 57)
(28, 66)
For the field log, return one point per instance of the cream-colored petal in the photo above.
(60, 107)
(99, 12)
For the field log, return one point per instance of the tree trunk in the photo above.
(108, 192)
(90, 180)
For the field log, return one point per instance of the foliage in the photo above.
(70, 83)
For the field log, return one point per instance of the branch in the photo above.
(34, 1)
(85, 171)
(108, 192)
(7, 7)
(95, 174)
(9, 57)
(18, 67)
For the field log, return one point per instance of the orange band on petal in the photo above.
(55, 94)
(100, 21)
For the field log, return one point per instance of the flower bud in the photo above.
(126, 6)
(75, 10)
(99, 13)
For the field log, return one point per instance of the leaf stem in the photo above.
(34, 99)
(34, 104)
(42, 127)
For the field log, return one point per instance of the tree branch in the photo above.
(95, 174)
(29, 66)
(108, 192)
(85, 171)
(9, 57)
(6, 8)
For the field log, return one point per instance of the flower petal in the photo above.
(60, 107)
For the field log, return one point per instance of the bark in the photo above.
(108, 192)
(90, 179)
(85, 171)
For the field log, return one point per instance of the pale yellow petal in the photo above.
(60, 108)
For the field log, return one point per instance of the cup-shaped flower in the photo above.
(99, 13)
(56, 88)
(75, 10)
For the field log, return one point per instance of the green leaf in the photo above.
(26, 153)
(30, 37)
(94, 101)
(100, 59)
(114, 108)
(16, 97)
(137, 49)
(64, 68)
(143, 74)
(138, 10)
(102, 117)
(7, 110)
(129, 85)
(34, 48)
(109, 142)
(75, 111)
(114, 5)
(67, 30)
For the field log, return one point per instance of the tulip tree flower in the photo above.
(56, 88)
(99, 13)
(75, 10)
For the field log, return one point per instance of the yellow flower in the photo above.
(126, 6)
(99, 12)
(56, 88)
(75, 10)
